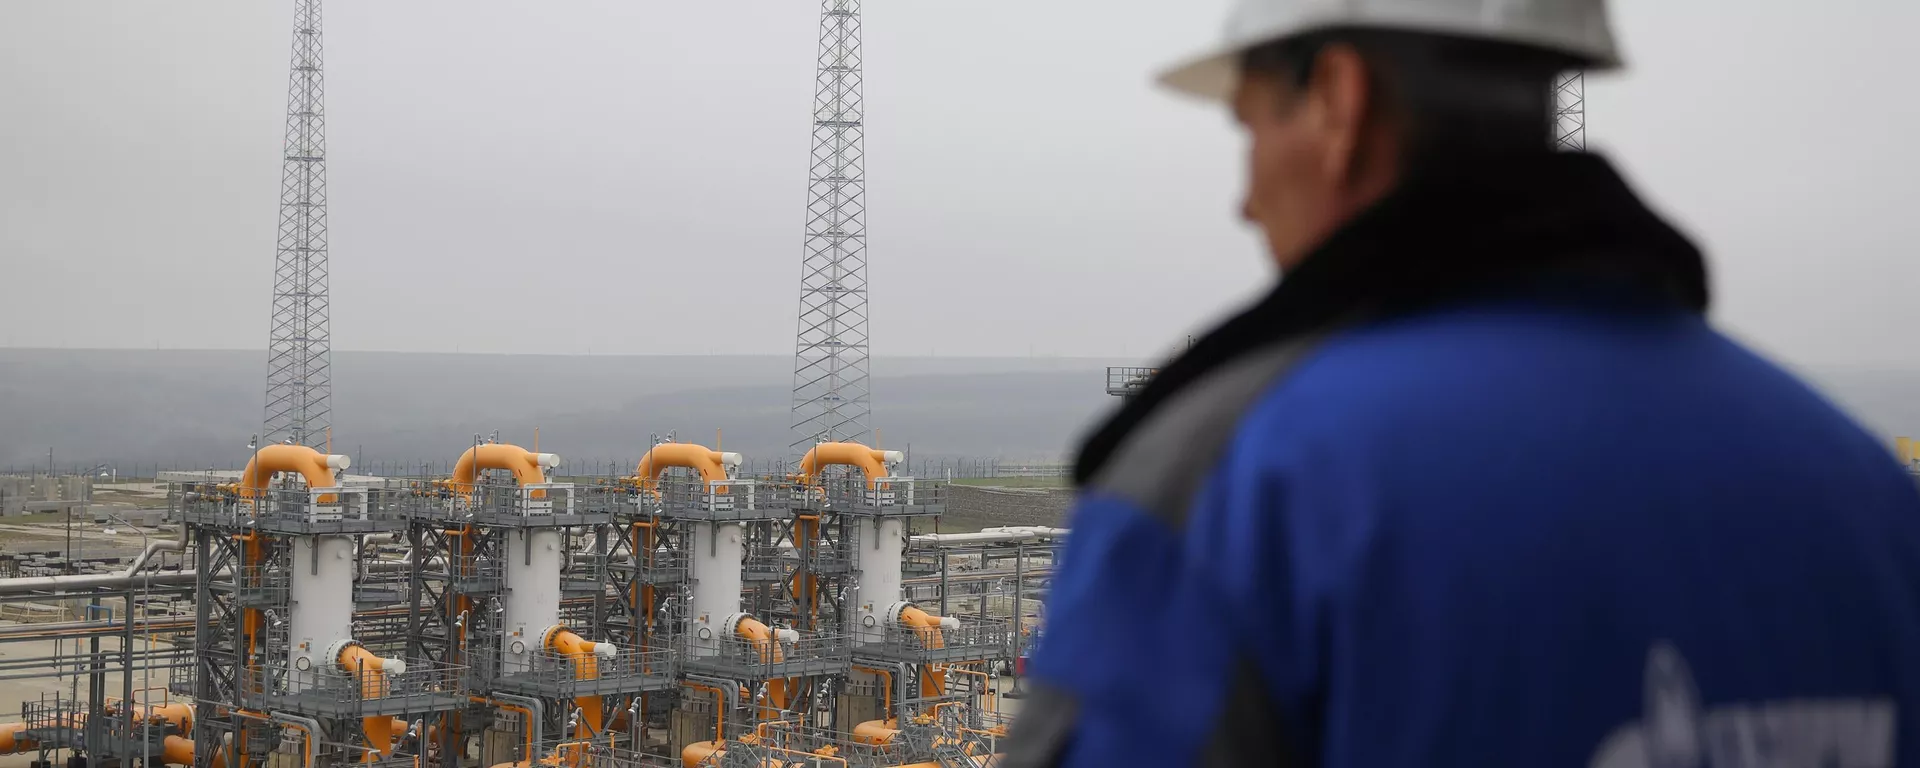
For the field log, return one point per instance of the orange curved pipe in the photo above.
(178, 750)
(525, 465)
(11, 741)
(875, 732)
(719, 708)
(357, 660)
(693, 754)
(871, 461)
(933, 681)
(526, 723)
(271, 460)
(886, 692)
(710, 464)
(586, 666)
(763, 640)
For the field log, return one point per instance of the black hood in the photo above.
(1467, 227)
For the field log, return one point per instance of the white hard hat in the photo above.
(1575, 27)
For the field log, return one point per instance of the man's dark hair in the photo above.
(1450, 94)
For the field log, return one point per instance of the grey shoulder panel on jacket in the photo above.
(1161, 465)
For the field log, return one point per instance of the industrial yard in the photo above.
(495, 606)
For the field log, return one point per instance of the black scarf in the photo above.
(1470, 226)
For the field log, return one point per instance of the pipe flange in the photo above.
(892, 614)
(731, 623)
(546, 635)
(335, 650)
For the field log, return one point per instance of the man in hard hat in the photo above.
(1475, 484)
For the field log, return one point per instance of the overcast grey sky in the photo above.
(629, 175)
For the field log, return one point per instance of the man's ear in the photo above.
(1339, 95)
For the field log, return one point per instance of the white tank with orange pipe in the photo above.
(320, 612)
(878, 552)
(532, 600)
(718, 552)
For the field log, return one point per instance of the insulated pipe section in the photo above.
(873, 463)
(527, 467)
(585, 656)
(993, 535)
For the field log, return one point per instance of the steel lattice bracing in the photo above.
(298, 378)
(1570, 111)
(830, 376)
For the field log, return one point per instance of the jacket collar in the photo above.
(1469, 226)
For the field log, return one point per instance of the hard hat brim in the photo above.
(1211, 76)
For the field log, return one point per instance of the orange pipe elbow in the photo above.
(372, 671)
(712, 465)
(762, 639)
(316, 467)
(927, 626)
(585, 657)
(527, 467)
(871, 461)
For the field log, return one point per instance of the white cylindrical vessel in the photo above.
(321, 604)
(878, 552)
(532, 603)
(719, 550)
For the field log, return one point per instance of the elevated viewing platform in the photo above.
(972, 640)
(551, 674)
(342, 510)
(424, 687)
(533, 505)
(723, 501)
(737, 658)
(882, 497)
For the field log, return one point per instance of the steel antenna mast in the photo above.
(299, 382)
(830, 376)
(1570, 111)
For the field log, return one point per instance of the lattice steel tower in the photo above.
(1570, 111)
(298, 379)
(830, 380)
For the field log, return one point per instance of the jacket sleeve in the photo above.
(1138, 664)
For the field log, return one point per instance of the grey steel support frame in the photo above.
(1570, 111)
(831, 385)
(299, 379)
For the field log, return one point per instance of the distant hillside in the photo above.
(197, 408)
